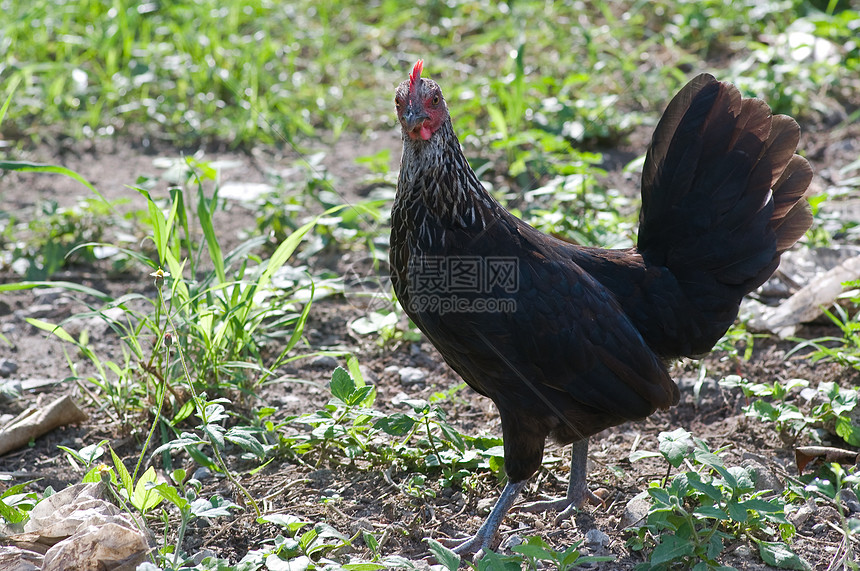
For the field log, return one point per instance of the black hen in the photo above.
(567, 340)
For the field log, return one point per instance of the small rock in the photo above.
(485, 505)
(802, 514)
(511, 541)
(324, 362)
(48, 296)
(202, 473)
(595, 537)
(101, 324)
(765, 479)
(360, 524)
(39, 310)
(320, 478)
(744, 553)
(635, 511)
(458, 500)
(369, 376)
(7, 367)
(202, 554)
(849, 500)
(412, 376)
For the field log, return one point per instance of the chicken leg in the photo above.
(577, 488)
(485, 534)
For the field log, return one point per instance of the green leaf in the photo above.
(848, 431)
(708, 489)
(13, 85)
(535, 547)
(452, 436)
(11, 514)
(397, 424)
(671, 548)
(764, 506)
(715, 546)
(170, 494)
(160, 231)
(660, 495)
(491, 561)
(245, 438)
(69, 286)
(213, 507)
(737, 512)
(299, 326)
(215, 433)
(354, 370)
(51, 328)
(675, 446)
(94, 475)
(184, 412)
(25, 166)
(780, 555)
(637, 455)
(342, 385)
(124, 476)
(204, 215)
(145, 497)
(359, 395)
(711, 511)
(446, 557)
(288, 521)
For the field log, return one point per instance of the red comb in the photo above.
(416, 74)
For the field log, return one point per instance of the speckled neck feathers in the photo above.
(436, 174)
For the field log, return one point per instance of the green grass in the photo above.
(241, 73)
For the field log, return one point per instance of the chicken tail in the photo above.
(722, 192)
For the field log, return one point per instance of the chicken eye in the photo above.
(397, 103)
(435, 100)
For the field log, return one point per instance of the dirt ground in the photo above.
(371, 499)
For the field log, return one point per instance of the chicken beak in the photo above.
(413, 119)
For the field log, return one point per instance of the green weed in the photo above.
(698, 512)
(831, 488)
(844, 350)
(532, 552)
(828, 406)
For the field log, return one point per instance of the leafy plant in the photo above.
(694, 515)
(828, 406)
(350, 427)
(533, 551)
(832, 489)
(190, 506)
(844, 350)
(16, 503)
